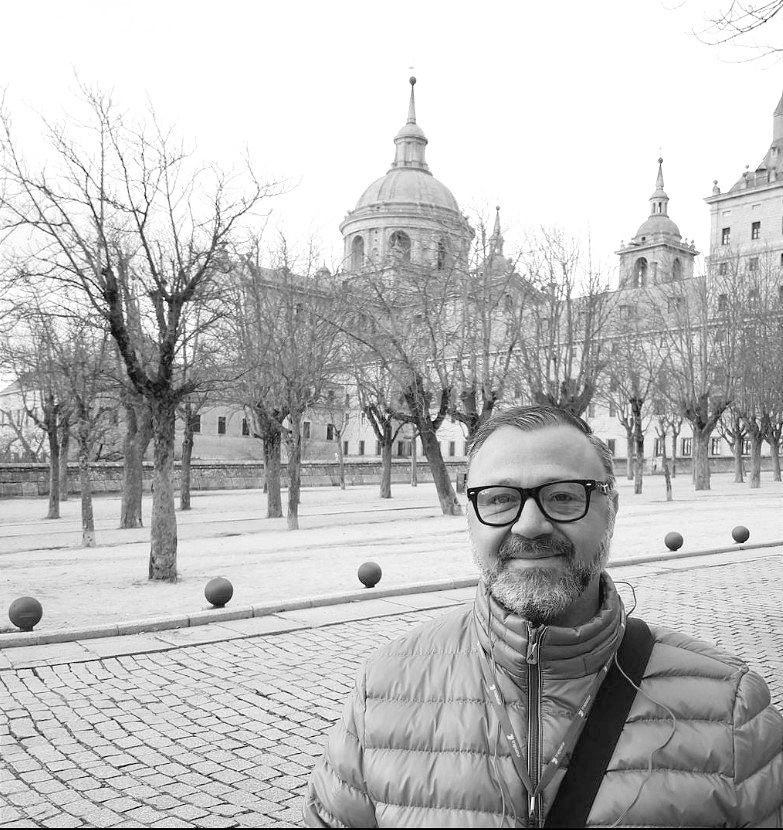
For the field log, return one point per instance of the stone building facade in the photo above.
(409, 216)
(746, 222)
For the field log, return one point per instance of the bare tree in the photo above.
(493, 302)
(32, 361)
(699, 344)
(560, 352)
(758, 387)
(62, 358)
(407, 315)
(633, 376)
(124, 217)
(82, 353)
(662, 425)
(376, 389)
(734, 432)
(288, 351)
(336, 406)
(739, 24)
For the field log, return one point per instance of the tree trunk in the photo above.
(774, 452)
(701, 460)
(274, 499)
(638, 441)
(739, 467)
(54, 468)
(414, 462)
(449, 503)
(638, 466)
(629, 459)
(386, 464)
(65, 440)
(341, 461)
(163, 533)
(138, 435)
(294, 474)
(756, 442)
(187, 452)
(85, 485)
(675, 436)
(667, 475)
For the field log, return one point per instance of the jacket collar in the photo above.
(562, 652)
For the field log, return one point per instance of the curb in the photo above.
(217, 615)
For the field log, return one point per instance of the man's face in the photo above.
(536, 567)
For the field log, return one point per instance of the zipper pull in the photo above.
(531, 813)
(533, 642)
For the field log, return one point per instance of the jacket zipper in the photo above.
(533, 725)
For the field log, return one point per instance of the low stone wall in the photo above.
(17, 480)
(21, 480)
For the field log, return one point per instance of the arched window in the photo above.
(400, 246)
(441, 255)
(357, 253)
(677, 270)
(639, 274)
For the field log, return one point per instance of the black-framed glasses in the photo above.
(560, 501)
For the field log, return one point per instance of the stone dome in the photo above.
(658, 224)
(408, 185)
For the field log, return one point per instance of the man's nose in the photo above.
(531, 522)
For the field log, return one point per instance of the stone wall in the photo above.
(33, 479)
(18, 480)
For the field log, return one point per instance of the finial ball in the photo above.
(412, 80)
(660, 159)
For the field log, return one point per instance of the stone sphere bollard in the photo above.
(673, 540)
(740, 534)
(218, 591)
(25, 613)
(369, 574)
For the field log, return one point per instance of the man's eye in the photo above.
(504, 498)
(563, 498)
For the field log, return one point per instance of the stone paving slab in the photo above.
(224, 733)
(343, 613)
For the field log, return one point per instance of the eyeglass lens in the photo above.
(559, 500)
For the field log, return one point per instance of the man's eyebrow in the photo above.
(510, 482)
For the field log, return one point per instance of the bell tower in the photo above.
(657, 253)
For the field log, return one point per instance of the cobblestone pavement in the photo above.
(224, 734)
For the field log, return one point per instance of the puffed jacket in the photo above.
(419, 742)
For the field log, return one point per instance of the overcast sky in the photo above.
(555, 111)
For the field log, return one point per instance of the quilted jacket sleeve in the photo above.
(758, 755)
(337, 795)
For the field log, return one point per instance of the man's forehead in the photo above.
(561, 447)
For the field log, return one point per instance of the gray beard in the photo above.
(540, 595)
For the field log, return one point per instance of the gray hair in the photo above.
(529, 418)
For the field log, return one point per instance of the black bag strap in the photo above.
(593, 751)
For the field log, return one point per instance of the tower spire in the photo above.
(412, 104)
(496, 240)
(659, 201)
(659, 180)
(410, 141)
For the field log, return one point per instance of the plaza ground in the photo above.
(223, 730)
(226, 534)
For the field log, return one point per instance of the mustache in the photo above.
(513, 546)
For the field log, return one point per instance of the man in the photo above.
(470, 720)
